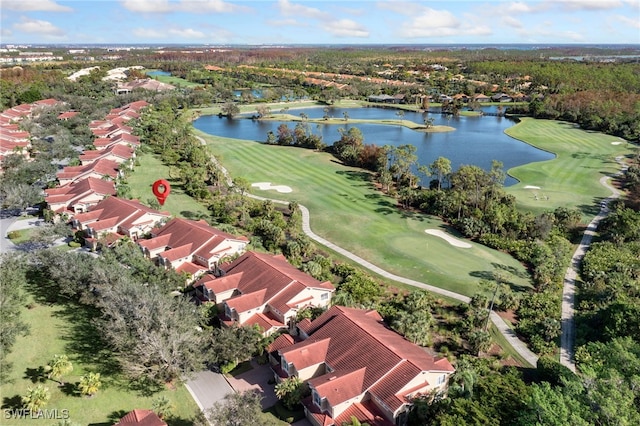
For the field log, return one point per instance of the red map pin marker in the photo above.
(161, 189)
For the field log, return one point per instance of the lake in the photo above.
(476, 140)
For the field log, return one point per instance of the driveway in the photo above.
(256, 379)
(207, 388)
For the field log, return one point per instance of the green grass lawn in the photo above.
(176, 81)
(572, 178)
(347, 210)
(66, 329)
(146, 173)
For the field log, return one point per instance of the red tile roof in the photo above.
(247, 301)
(123, 212)
(264, 321)
(276, 281)
(67, 114)
(359, 340)
(75, 192)
(190, 268)
(101, 167)
(307, 353)
(281, 342)
(365, 412)
(121, 152)
(140, 417)
(339, 386)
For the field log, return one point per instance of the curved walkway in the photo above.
(518, 345)
(568, 336)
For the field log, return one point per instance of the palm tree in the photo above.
(290, 391)
(162, 406)
(89, 384)
(400, 115)
(58, 367)
(480, 341)
(36, 398)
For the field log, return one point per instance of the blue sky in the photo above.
(219, 22)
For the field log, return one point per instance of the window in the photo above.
(324, 296)
(441, 379)
(316, 399)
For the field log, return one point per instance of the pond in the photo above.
(476, 140)
(156, 73)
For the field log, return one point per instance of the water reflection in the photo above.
(476, 140)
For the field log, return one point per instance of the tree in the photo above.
(237, 409)
(162, 406)
(12, 298)
(429, 122)
(400, 115)
(285, 136)
(59, 366)
(290, 391)
(36, 398)
(241, 184)
(401, 160)
(480, 341)
(353, 421)
(21, 196)
(230, 345)
(89, 384)
(230, 109)
(147, 329)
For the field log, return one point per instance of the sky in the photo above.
(282, 22)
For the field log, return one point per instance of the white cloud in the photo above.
(401, 7)
(186, 33)
(285, 23)
(183, 33)
(431, 23)
(192, 6)
(36, 26)
(34, 6)
(6, 33)
(635, 4)
(590, 4)
(346, 28)
(290, 9)
(218, 6)
(148, 6)
(633, 23)
(147, 33)
(512, 22)
(517, 7)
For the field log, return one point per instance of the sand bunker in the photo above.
(531, 187)
(616, 143)
(448, 238)
(267, 186)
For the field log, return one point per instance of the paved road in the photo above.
(5, 225)
(207, 388)
(567, 338)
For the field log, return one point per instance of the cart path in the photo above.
(568, 336)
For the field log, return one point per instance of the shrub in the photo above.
(228, 367)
